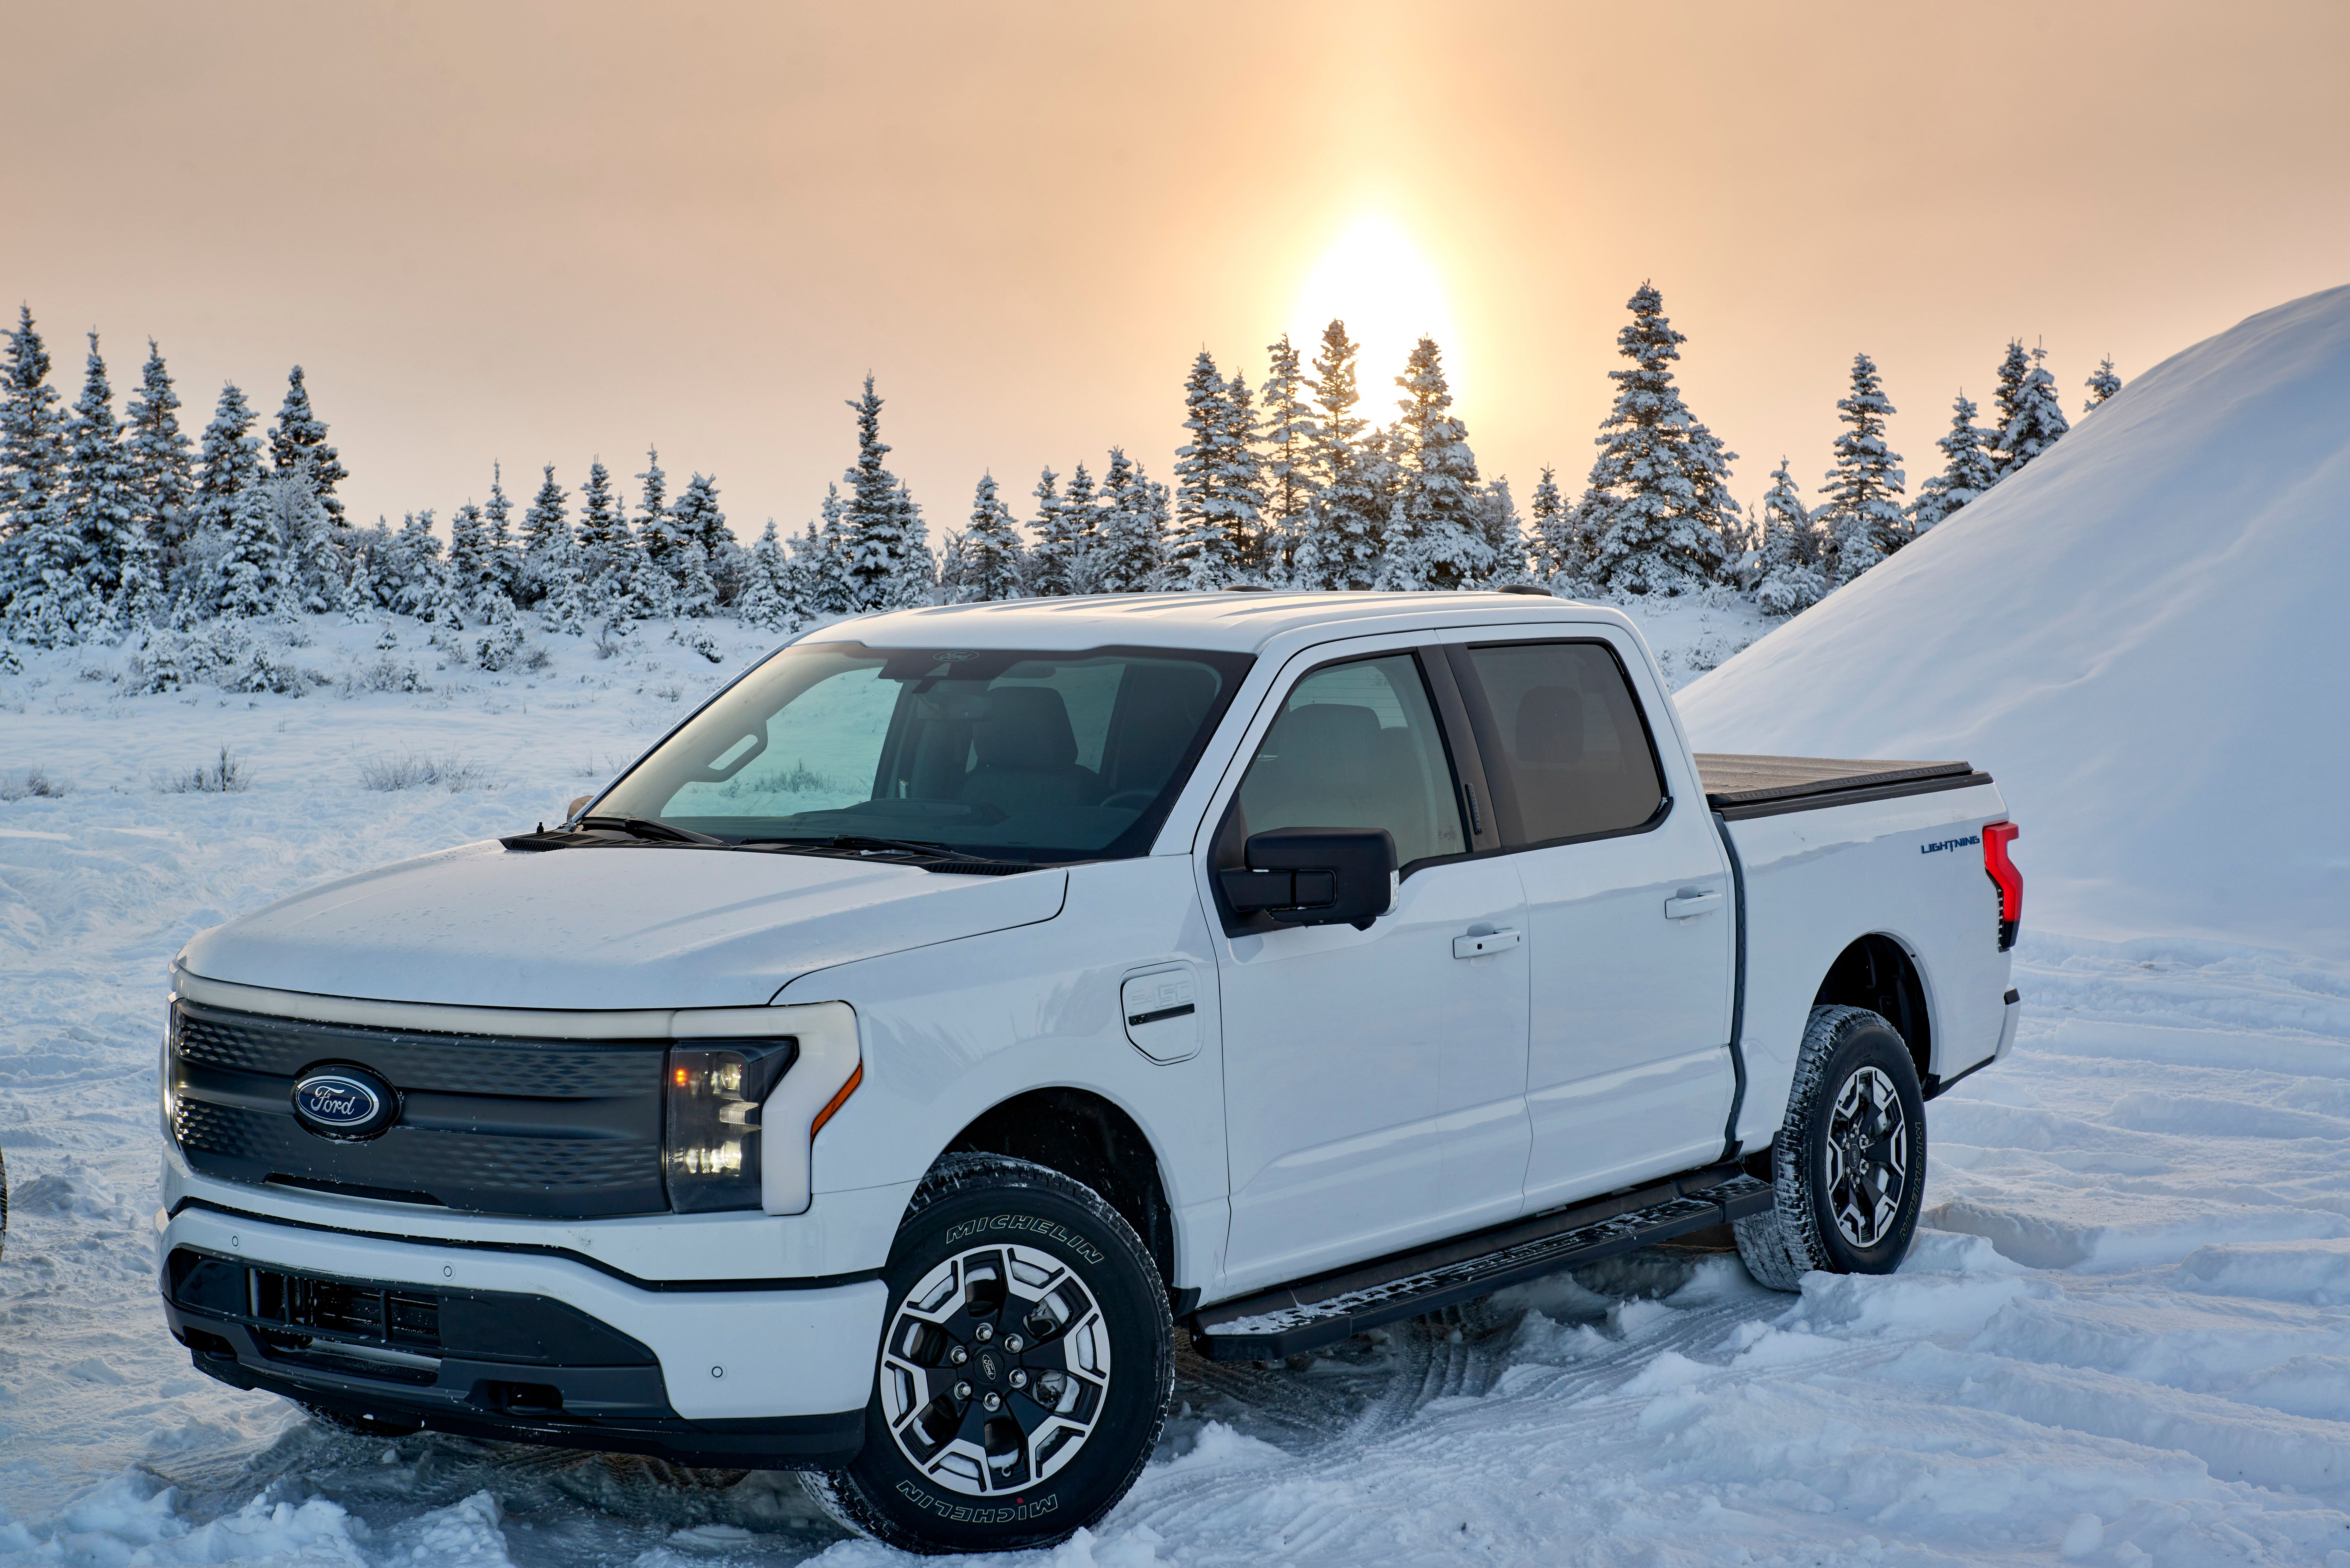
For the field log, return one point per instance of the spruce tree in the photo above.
(1203, 552)
(991, 567)
(558, 572)
(1130, 546)
(1967, 471)
(101, 499)
(607, 550)
(32, 432)
(1331, 442)
(696, 519)
(545, 538)
(497, 534)
(231, 459)
(162, 476)
(1860, 507)
(829, 583)
(1791, 580)
(253, 579)
(415, 563)
(2007, 405)
(1656, 507)
(1292, 442)
(1081, 521)
(917, 582)
(2039, 421)
(697, 595)
(1503, 531)
(300, 432)
(1553, 545)
(1048, 559)
(1242, 484)
(316, 570)
(655, 538)
(877, 553)
(765, 599)
(471, 568)
(1437, 539)
(2102, 386)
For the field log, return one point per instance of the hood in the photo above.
(484, 926)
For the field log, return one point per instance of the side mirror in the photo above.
(1315, 877)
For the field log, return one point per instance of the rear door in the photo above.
(1374, 1079)
(1629, 924)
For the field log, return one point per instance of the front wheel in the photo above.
(1024, 1370)
(1849, 1166)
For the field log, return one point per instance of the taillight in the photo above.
(1996, 838)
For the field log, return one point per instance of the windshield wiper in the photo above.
(928, 849)
(646, 827)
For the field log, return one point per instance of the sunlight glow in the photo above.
(1376, 280)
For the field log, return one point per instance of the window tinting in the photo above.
(1563, 741)
(1355, 745)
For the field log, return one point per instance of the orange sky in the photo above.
(535, 233)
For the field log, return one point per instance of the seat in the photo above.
(1028, 754)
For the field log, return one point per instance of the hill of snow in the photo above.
(2140, 635)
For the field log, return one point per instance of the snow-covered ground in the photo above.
(2125, 1337)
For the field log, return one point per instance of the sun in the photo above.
(1376, 280)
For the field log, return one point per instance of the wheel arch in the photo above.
(1088, 1137)
(1878, 971)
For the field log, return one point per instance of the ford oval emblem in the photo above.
(340, 1100)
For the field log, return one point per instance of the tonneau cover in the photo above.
(1738, 786)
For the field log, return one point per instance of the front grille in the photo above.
(549, 1129)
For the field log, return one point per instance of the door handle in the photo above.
(1477, 944)
(1689, 906)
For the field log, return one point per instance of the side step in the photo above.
(1332, 1307)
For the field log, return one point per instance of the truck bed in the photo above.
(1739, 786)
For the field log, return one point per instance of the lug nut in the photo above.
(993, 1401)
(962, 1390)
(1014, 1344)
(1019, 1378)
(958, 1355)
(985, 1332)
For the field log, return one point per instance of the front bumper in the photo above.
(753, 1377)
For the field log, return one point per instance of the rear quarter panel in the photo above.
(1815, 881)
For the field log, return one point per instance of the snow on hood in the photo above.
(2139, 636)
(484, 926)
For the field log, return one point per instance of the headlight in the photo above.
(714, 1090)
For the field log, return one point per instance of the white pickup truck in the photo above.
(874, 1077)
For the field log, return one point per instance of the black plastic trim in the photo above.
(1936, 1084)
(1737, 992)
(1139, 1019)
(527, 1249)
(1733, 811)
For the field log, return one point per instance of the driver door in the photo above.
(1374, 1080)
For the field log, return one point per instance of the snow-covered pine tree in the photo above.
(498, 536)
(992, 566)
(696, 593)
(1860, 505)
(472, 569)
(545, 537)
(696, 518)
(2039, 422)
(300, 431)
(1967, 471)
(230, 459)
(100, 499)
(1242, 485)
(607, 549)
(1657, 506)
(2102, 386)
(1330, 446)
(826, 581)
(560, 579)
(254, 579)
(1081, 518)
(765, 599)
(39, 559)
(876, 550)
(918, 567)
(1130, 544)
(1202, 553)
(1292, 436)
(1504, 533)
(163, 479)
(1051, 561)
(1791, 580)
(315, 566)
(2007, 405)
(655, 537)
(1553, 545)
(1436, 536)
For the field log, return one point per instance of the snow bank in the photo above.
(2140, 637)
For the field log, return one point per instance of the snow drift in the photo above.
(2141, 636)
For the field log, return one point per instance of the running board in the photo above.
(1292, 1318)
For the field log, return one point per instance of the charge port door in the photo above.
(1161, 1007)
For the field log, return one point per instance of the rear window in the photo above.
(1565, 748)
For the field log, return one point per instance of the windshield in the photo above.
(1009, 754)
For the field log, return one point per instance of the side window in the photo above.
(1563, 741)
(1355, 745)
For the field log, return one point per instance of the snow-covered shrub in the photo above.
(31, 783)
(699, 641)
(500, 644)
(412, 770)
(224, 775)
(265, 669)
(161, 665)
(384, 674)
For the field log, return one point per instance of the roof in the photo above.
(1234, 621)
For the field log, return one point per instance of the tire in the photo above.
(1849, 1169)
(1056, 1311)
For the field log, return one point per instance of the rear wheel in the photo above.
(1849, 1166)
(1025, 1369)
